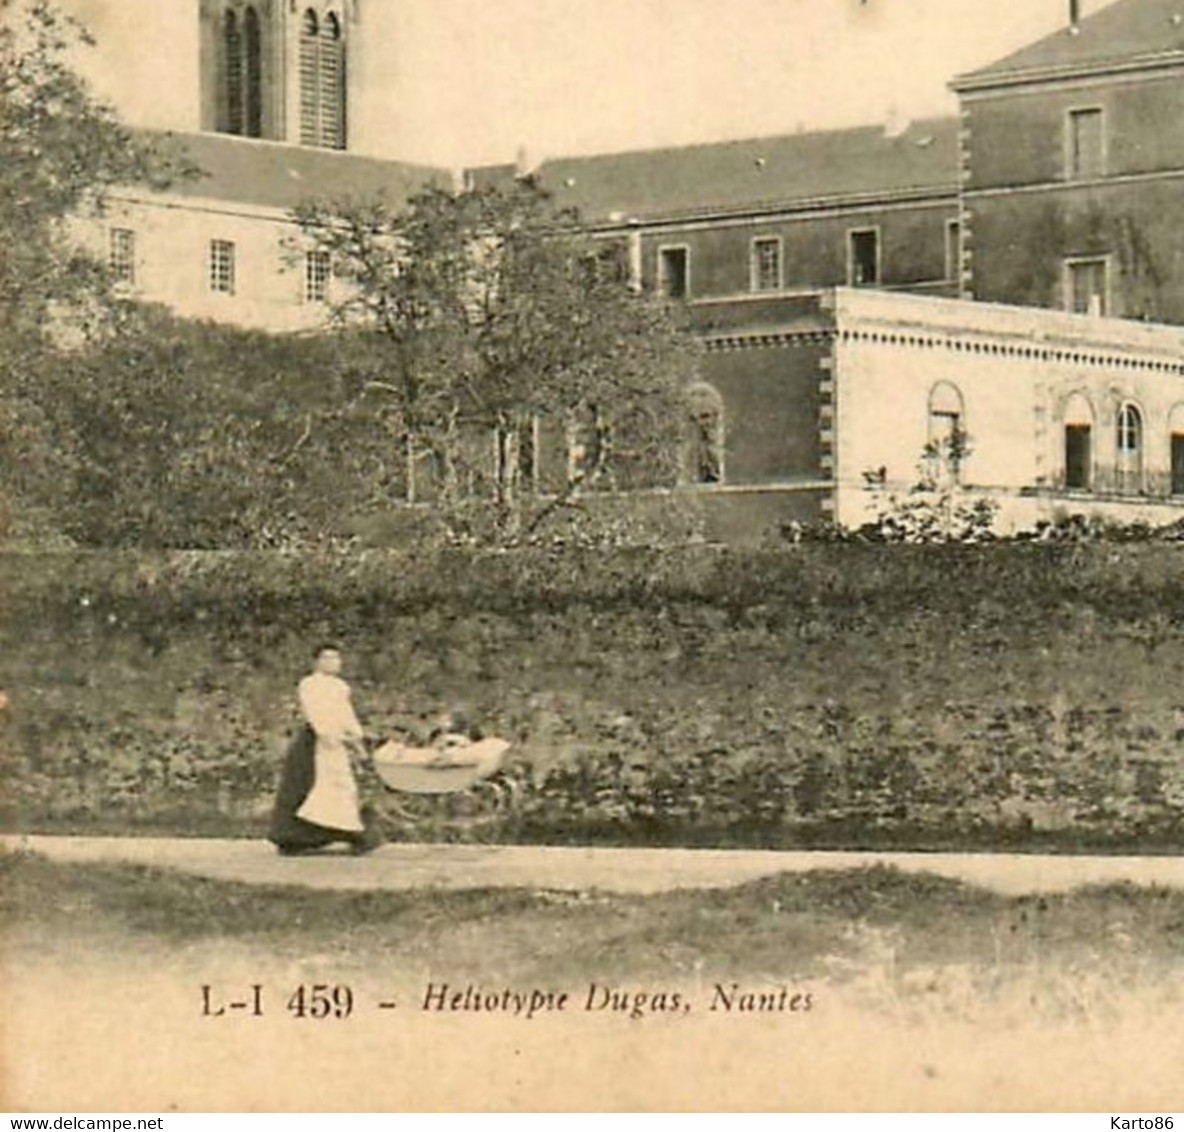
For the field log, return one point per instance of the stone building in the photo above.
(1045, 414)
(995, 282)
(1072, 168)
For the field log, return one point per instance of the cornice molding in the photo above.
(1057, 74)
(1028, 351)
(715, 342)
(806, 208)
(1063, 185)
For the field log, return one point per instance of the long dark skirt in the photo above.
(290, 832)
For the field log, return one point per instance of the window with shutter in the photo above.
(233, 42)
(332, 92)
(253, 74)
(309, 79)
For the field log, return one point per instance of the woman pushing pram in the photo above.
(317, 803)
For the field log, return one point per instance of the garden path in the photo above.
(571, 869)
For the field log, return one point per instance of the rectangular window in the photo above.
(863, 258)
(317, 269)
(766, 264)
(1078, 457)
(122, 255)
(222, 267)
(1086, 144)
(953, 250)
(674, 272)
(1087, 286)
(607, 265)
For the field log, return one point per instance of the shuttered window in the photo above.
(233, 41)
(253, 74)
(240, 90)
(322, 81)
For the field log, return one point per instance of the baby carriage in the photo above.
(456, 780)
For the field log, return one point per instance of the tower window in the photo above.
(233, 47)
(241, 87)
(322, 81)
(253, 74)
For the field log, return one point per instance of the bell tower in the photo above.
(278, 69)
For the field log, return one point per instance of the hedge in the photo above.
(817, 694)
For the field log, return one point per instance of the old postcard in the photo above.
(585, 555)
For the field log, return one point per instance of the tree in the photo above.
(60, 151)
(187, 435)
(517, 361)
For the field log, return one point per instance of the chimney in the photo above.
(895, 123)
(526, 164)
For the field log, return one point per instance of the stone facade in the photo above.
(1072, 164)
(820, 269)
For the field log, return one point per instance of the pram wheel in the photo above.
(448, 816)
(443, 794)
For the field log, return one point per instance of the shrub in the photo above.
(850, 693)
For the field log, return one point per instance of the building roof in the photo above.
(1124, 31)
(756, 174)
(275, 175)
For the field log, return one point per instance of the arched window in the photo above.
(1078, 418)
(310, 33)
(253, 74)
(240, 83)
(332, 84)
(232, 40)
(706, 434)
(946, 447)
(1130, 448)
(322, 80)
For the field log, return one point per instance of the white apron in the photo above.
(333, 800)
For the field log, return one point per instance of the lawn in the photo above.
(797, 926)
(849, 989)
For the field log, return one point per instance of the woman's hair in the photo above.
(324, 647)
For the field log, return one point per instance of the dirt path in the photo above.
(578, 869)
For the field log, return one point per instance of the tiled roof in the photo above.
(757, 173)
(274, 175)
(1128, 29)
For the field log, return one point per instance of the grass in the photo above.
(927, 994)
(832, 925)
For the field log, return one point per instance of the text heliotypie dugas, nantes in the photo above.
(598, 998)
